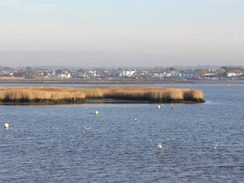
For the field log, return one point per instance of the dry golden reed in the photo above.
(154, 94)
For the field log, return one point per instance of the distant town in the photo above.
(157, 73)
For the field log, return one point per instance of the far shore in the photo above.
(122, 81)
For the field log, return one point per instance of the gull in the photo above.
(159, 145)
(215, 147)
(88, 128)
(6, 125)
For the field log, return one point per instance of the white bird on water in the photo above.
(158, 107)
(88, 128)
(215, 147)
(159, 145)
(96, 112)
(6, 125)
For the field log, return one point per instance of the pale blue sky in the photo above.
(121, 32)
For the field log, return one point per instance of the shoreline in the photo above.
(97, 101)
(93, 81)
(34, 81)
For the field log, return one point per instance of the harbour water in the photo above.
(69, 143)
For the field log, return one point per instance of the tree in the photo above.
(59, 71)
(45, 73)
(228, 69)
(29, 74)
(81, 71)
(220, 72)
(171, 69)
(201, 72)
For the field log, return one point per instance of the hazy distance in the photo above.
(109, 33)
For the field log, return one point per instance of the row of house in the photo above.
(119, 73)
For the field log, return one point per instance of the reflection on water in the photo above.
(68, 143)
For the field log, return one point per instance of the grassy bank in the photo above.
(66, 95)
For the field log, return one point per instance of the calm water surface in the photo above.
(68, 143)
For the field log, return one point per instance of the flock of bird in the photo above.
(159, 145)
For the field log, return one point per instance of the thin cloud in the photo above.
(10, 3)
(19, 5)
(226, 1)
(48, 8)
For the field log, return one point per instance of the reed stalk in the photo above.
(56, 95)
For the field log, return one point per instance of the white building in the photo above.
(128, 73)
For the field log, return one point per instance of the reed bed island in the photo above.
(42, 95)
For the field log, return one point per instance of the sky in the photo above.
(117, 33)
